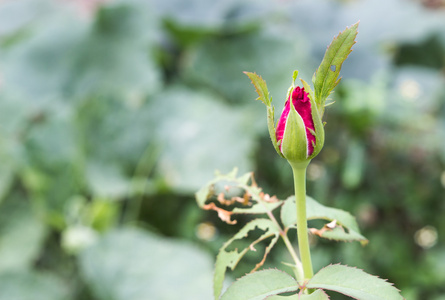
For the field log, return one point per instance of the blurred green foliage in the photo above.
(113, 113)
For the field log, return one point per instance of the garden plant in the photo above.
(113, 114)
(298, 137)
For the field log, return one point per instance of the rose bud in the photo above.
(300, 132)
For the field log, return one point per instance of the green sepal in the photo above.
(294, 142)
(319, 128)
(308, 89)
(271, 127)
(294, 77)
(292, 86)
(326, 76)
(263, 93)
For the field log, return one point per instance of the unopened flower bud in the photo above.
(300, 132)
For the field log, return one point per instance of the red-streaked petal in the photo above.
(282, 121)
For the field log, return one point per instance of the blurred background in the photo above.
(114, 113)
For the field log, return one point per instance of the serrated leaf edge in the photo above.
(355, 268)
(264, 270)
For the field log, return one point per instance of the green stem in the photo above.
(300, 200)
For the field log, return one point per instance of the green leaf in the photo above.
(186, 127)
(207, 191)
(326, 76)
(317, 295)
(31, 285)
(259, 285)
(7, 159)
(340, 234)
(134, 264)
(229, 259)
(22, 234)
(257, 208)
(110, 60)
(354, 283)
(354, 164)
(315, 211)
(219, 63)
(256, 205)
(106, 180)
